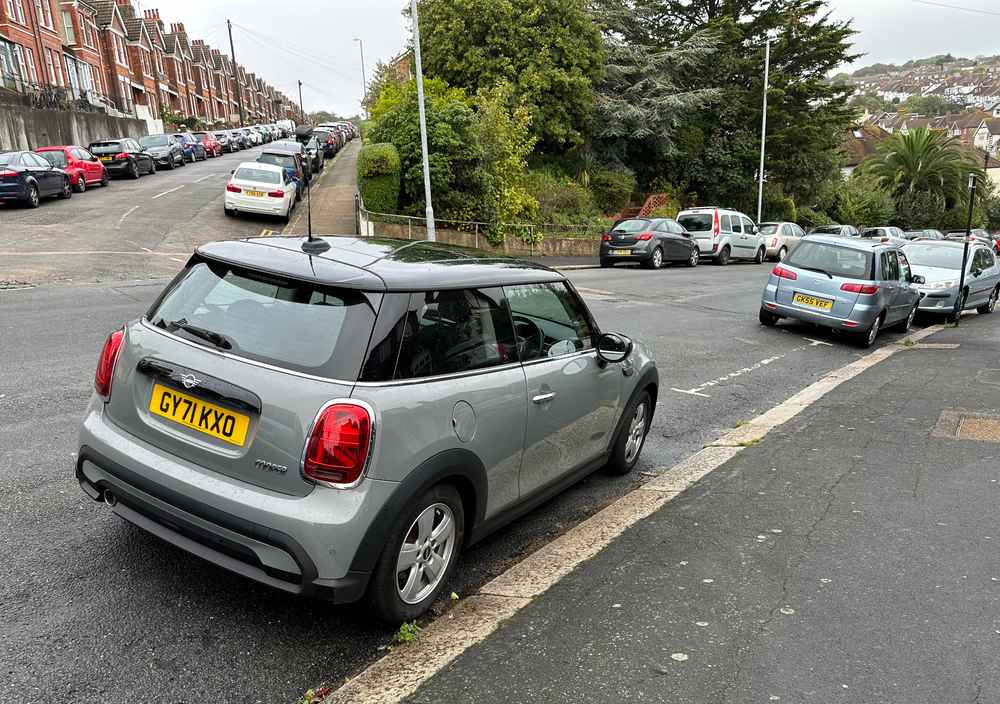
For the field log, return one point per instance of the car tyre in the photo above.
(867, 339)
(955, 317)
(436, 521)
(171, 164)
(33, 200)
(695, 258)
(723, 258)
(607, 264)
(152, 167)
(767, 318)
(782, 253)
(67, 189)
(908, 321)
(134, 171)
(105, 180)
(761, 254)
(632, 430)
(990, 305)
(230, 212)
(655, 260)
(81, 184)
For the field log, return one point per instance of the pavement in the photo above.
(850, 556)
(99, 612)
(332, 198)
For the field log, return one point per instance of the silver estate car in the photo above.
(340, 416)
(856, 285)
(940, 263)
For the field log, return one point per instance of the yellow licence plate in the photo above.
(813, 302)
(621, 252)
(255, 194)
(105, 158)
(199, 415)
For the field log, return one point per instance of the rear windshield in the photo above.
(247, 173)
(631, 226)
(7, 158)
(156, 140)
(832, 259)
(942, 257)
(201, 136)
(827, 230)
(768, 229)
(874, 232)
(106, 147)
(54, 158)
(696, 223)
(278, 160)
(290, 324)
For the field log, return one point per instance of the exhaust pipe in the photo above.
(110, 499)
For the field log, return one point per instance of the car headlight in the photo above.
(938, 285)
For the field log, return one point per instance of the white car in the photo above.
(259, 188)
(780, 238)
(723, 234)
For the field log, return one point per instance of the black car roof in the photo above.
(379, 263)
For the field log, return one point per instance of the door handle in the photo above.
(544, 398)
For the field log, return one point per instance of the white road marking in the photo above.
(697, 390)
(689, 392)
(175, 259)
(160, 195)
(145, 249)
(817, 343)
(399, 674)
(122, 219)
(205, 178)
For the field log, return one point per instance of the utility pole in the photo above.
(431, 230)
(763, 130)
(364, 76)
(965, 251)
(236, 75)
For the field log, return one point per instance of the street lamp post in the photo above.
(431, 230)
(763, 130)
(364, 76)
(965, 251)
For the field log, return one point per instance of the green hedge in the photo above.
(379, 177)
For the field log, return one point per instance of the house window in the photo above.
(44, 13)
(29, 61)
(15, 10)
(68, 26)
(144, 60)
(51, 65)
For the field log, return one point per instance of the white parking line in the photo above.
(205, 178)
(817, 343)
(697, 390)
(122, 219)
(160, 195)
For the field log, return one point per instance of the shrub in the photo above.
(612, 189)
(863, 202)
(778, 206)
(807, 217)
(919, 209)
(561, 200)
(379, 177)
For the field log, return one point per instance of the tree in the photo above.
(384, 75)
(872, 102)
(923, 161)
(863, 202)
(550, 51)
(929, 105)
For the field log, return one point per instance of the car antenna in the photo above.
(312, 245)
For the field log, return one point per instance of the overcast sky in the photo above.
(282, 33)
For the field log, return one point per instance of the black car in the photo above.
(315, 152)
(124, 157)
(165, 148)
(328, 142)
(296, 148)
(649, 241)
(27, 178)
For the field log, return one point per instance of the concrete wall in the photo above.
(23, 128)
(548, 247)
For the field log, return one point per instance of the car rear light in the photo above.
(14, 173)
(106, 364)
(233, 189)
(339, 445)
(645, 237)
(863, 289)
(716, 225)
(605, 237)
(121, 155)
(276, 194)
(774, 242)
(783, 273)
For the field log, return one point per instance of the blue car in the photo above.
(27, 178)
(940, 263)
(193, 149)
(860, 286)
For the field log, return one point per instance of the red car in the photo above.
(84, 168)
(213, 147)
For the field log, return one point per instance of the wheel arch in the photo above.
(649, 381)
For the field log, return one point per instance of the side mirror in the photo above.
(918, 279)
(977, 272)
(232, 172)
(613, 348)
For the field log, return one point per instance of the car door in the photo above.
(50, 179)
(991, 271)
(979, 280)
(736, 238)
(674, 246)
(909, 295)
(572, 399)
(893, 300)
(752, 240)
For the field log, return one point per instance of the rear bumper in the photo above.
(299, 545)
(861, 317)
(634, 255)
(116, 169)
(15, 191)
(248, 204)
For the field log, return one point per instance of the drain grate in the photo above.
(964, 425)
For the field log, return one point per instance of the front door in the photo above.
(894, 293)
(572, 401)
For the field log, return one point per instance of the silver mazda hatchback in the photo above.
(340, 417)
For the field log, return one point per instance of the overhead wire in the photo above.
(960, 8)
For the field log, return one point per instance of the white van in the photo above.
(724, 234)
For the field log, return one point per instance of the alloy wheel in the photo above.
(33, 196)
(873, 333)
(992, 305)
(695, 257)
(782, 253)
(426, 553)
(636, 434)
(909, 321)
(657, 258)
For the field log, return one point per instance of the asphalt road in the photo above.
(97, 611)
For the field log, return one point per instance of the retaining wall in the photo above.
(22, 128)
(548, 247)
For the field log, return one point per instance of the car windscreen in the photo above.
(768, 229)
(941, 257)
(155, 140)
(291, 324)
(629, 226)
(105, 147)
(874, 232)
(832, 259)
(54, 158)
(287, 161)
(696, 222)
(247, 173)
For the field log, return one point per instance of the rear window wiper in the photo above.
(818, 271)
(216, 338)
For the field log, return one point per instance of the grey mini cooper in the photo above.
(340, 417)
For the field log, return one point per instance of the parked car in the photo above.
(780, 238)
(84, 168)
(123, 157)
(224, 141)
(193, 149)
(860, 286)
(27, 178)
(292, 162)
(212, 146)
(328, 141)
(892, 233)
(923, 235)
(649, 241)
(237, 139)
(315, 153)
(253, 139)
(167, 150)
(343, 424)
(836, 230)
(940, 264)
(724, 234)
(977, 233)
(259, 188)
(299, 148)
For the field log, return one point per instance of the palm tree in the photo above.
(923, 161)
